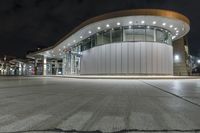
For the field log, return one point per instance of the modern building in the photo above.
(130, 42)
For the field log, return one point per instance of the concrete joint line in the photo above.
(196, 104)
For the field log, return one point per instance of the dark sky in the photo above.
(27, 24)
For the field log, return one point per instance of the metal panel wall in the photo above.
(133, 58)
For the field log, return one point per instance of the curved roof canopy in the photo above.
(176, 23)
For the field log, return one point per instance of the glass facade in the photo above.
(126, 34)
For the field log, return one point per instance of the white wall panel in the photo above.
(124, 58)
(137, 58)
(149, 58)
(159, 64)
(155, 58)
(113, 59)
(108, 54)
(143, 57)
(128, 58)
(103, 59)
(119, 58)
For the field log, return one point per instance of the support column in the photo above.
(57, 67)
(68, 64)
(64, 62)
(35, 67)
(45, 66)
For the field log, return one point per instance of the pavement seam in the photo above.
(196, 104)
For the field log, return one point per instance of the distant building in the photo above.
(16, 67)
(130, 42)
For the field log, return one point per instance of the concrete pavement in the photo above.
(39, 103)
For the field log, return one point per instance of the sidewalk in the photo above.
(119, 77)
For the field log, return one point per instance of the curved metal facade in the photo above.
(128, 58)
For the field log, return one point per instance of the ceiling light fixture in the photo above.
(142, 21)
(163, 24)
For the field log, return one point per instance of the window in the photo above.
(93, 40)
(86, 44)
(116, 35)
(160, 36)
(128, 34)
(106, 37)
(149, 35)
(139, 34)
(99, 38)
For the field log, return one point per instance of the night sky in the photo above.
(28, 24)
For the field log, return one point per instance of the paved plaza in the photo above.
(107, 105)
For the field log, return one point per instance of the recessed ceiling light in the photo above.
(81, 37)
(74, 41)
(59, 49)
(171, 26)
(89, 32)
(64, 47)
(175, 28)
(163, 24)
(177, 31)
(148, 27)
(68, 44)
(52, 51)
(142, 21)
(118, 23)
(176, 34)
(173, 37)
(98, 28)
(154, 22)
(107, 25)
(130, 22)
